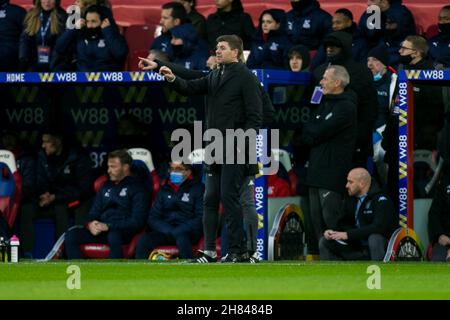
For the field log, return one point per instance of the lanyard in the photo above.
(44, 30)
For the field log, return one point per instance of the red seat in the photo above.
(284, 159)
(101, 251)
(432, 31)
(139, 38)
(133, 59)
(143, 157)
(10, 187)
(429, 253)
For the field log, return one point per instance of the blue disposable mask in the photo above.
(176, 178)
(377, 77)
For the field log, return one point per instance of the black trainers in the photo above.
(232, 258)
(253, 259)
(203, 258)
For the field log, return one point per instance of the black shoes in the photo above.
(239, 258)
(203, 258)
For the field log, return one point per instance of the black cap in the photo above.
(381, 54)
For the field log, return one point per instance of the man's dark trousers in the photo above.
(78, 236)
(224, 183)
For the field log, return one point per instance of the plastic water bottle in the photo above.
(14, 244)
(3, 250)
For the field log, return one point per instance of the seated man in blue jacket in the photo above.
(176, 216)
(367, 221)
(97, 44)
(118, 213)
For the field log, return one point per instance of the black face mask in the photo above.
(444, 28)
(406, 60)
(92, 33)
(338, 59)
(177, 50)
(301, 5)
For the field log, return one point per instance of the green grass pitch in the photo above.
(268, 281)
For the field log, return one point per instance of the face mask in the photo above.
(377, 77)
(92, 33)
(406, 60)
(444, 28)
(176, 178)
(336, 59)
(177, 50)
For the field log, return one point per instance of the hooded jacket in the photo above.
(406, 24)
(439, 49)
(122, 206)
(331, 135)
(270, 53)
(234, 22)
(11, 26)
(361, 83)
(359, 48)
(308, 25)
(193, 53)
(162, 43)
(178, 209)
(376, 215)
(106, 51)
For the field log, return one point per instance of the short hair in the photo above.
(234, 41)
(187, 166)
(445, 8)
(55, 132)
(123, 155)
(345, 12)
(95, 9)
(178, 10)
(341, 74)
(362, 175)
(419, 44)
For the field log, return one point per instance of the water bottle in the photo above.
(14, 244)
(3, 250)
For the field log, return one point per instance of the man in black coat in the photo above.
(331, 135)
(428, 101)
(367, 222)
(338, 46)
(249, 212)
(233, 102)
(229, 18)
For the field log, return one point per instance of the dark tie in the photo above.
(358, 205)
